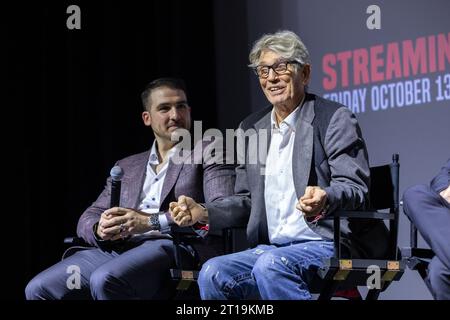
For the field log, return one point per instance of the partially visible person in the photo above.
(428, 208)
(133, 250)
(315, 162)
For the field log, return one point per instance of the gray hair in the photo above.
(285, 43)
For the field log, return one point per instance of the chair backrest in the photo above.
(342, 273)
(384, 194)
(383, 188)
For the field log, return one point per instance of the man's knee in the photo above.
(35, 289)
(265, 264)
(268, 266)
(210, 271)
(416, 193)
(47, 285)
(412, 196)
(101, 280)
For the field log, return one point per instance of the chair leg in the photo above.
(327, 291)
(373, 294)
(422, 269)
(191, 293)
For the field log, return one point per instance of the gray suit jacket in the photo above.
(202, 182)
(329, 152)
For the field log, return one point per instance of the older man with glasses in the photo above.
(316, 162)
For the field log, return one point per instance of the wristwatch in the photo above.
(153, 221)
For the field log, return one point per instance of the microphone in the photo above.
(116, 175)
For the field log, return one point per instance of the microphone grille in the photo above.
(116, 173)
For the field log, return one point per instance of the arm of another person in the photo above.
(91, 216)
(232, 210)
(348, 162)
(226, 195)
(441, 183)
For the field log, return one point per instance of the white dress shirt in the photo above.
(151, 192)
(285, 223)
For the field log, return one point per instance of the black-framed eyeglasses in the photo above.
(278, 67)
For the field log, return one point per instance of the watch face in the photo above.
(153, 221)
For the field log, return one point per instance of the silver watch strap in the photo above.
(153, 221)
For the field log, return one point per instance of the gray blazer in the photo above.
(202, 182)
(329, 152)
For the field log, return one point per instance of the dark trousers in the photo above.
(430, 213)
(140, 271)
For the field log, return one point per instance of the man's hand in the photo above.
(187, 212)
(446, 194)
(312, 202)
(117, 223)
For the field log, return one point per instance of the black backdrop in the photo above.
(74, 108)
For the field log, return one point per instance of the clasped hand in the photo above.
(313, 202)
(187, 212)
(117, 223)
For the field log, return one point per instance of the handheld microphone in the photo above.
(116, 175)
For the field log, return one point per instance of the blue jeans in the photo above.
(266, 272)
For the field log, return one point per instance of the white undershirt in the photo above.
(150, 197)
(285, 222)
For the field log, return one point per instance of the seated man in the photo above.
(133, 251)
(314, 161)
(428, 208)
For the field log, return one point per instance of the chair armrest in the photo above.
(375, 215)
(420, 253)
(181, 230)
(361, 215)
(74, 244)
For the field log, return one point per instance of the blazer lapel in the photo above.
(303, 147)
(263, 131)
(136, 181)
(173, 171)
